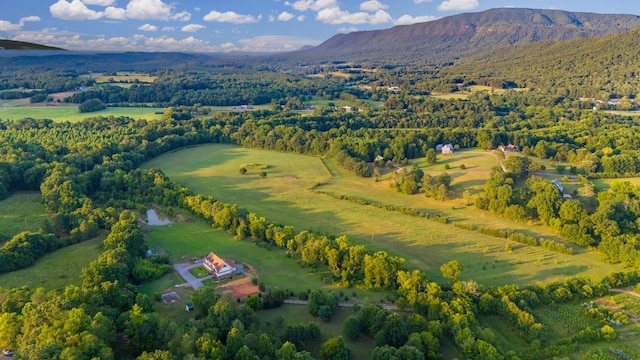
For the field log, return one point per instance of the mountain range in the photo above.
(447, 39)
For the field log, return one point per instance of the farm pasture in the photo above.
(22, 211)
(285, 197)
(56, 270)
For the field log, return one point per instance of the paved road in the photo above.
(183, 270)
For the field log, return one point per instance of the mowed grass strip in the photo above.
(72, 114)
(56, 270)
(22, 211)
(284, 197)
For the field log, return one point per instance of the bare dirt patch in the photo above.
(242, 287)
(62, 95)
(291, 177)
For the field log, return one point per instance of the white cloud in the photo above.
(336, 16)
(450, 5)
(148, 10)
(373, 5)
(99, 2)
(300, 18)
(168, 28)
(315, 5)
(192, 28)
(8, 26)
(285, 16)
(148, 27)
(29, 18)
(74, 10)
(421, 1)
(348, 29)
(182, 16)
(231, 17)
(115, 13)
(271, 18)
(275, 43)
(408, 19)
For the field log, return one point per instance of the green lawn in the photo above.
(57, 269)
(71, 113)
(277, 320)
(182, 241)
(22, 211)
(284, 197)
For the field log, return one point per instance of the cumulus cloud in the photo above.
(300, 18)
(451, 5)
(99, 2)
(373, 5)
(168, 28)
(135, 9)
(231, 17)
(408, 19)
(148, 27)
(348, 29)
(182, 16)
(336, 16)
(315, 5)
(148, 10)
(192, 28)
(115, 13)
(275, 43)
(8, 26)
(421, 1)
(285, 16)
(74, 10)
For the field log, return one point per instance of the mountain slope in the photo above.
(20, 45)
(581, 68)
(444, 40)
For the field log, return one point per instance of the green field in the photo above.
(57, 269)
(184, 240)
(123, 77)
(23, 211)
(72, 114)
(284, 196)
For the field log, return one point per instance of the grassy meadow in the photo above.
(184, 240)
(22, 211)
(72, 114)
(285, 197)
(57, 269)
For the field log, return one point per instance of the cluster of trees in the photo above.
(211, 89)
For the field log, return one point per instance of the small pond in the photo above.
(155, 220)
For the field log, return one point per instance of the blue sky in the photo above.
(235, 25)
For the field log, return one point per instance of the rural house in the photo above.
(447, 149)
(218, 267)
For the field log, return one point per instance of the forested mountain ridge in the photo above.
(444, 40)
(600, 68)
(21, 45)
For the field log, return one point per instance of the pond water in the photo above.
(155, 220)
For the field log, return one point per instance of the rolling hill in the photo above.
(21, 45)
(445, 40)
